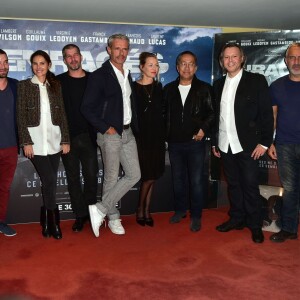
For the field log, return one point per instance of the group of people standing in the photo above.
(130, 122)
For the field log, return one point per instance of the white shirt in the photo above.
(184, 91)
(126, 92)
(227, 128)
(46, 137)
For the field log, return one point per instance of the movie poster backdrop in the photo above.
(20, 38)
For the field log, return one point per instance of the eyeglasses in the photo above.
(185, 64)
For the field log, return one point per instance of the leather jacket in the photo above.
(197, 113)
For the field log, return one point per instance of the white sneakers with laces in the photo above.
(97, 218)
(116, 226)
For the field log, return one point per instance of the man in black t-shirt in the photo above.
(83, 139)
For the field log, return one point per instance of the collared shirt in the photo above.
(46, 137)
(227, 128)
(126, 92)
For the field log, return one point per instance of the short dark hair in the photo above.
(69, 46)
(231, 45)
(3, 52)
(178, 58)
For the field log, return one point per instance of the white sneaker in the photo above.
(116, 226)
(97, 218)
(271, 227)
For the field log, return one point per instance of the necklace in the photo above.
(148, 94)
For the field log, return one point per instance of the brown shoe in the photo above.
(282, 236)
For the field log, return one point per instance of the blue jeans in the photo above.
(289, 172)
(116, 150)
(187, 161)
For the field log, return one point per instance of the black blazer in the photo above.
(102, 104)
(252, 110)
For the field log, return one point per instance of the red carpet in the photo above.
(163, 262)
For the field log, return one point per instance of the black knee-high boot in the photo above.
(44, 221)
(54, 221)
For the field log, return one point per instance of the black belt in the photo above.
(126, 126)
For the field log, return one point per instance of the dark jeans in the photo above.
(47, 167)
(241, 172)
(187, 161)
(83, 152)
(289, 172)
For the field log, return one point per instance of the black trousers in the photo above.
(47, 167)
(242, 172)
(83, 152)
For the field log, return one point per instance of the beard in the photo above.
(3, 73)
(74, 67)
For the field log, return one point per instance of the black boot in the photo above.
(55, 229)
(44, 221)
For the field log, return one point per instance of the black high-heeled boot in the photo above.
(55, 220)
(44, 221)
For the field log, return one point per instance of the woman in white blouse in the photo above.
(43, 133)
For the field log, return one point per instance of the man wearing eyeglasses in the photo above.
(285, 94)
(189, 118)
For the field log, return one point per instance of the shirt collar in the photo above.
(35, 80)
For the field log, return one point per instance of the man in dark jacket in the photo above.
(189, 117)
(244, 131)
(83, 147)
(109, 107)
(8, 139)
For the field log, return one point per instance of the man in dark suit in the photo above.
(109, 107)
(244, 131)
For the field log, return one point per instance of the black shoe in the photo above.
(54, 223)
(230, 225)
(176, 218)
(149, 222)
(282, 236)
(195, 224)
(78, 224)
(45, 222)
(257, 235)
(140, 220)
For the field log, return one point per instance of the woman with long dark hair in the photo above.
(43, 133)
(151, 136)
